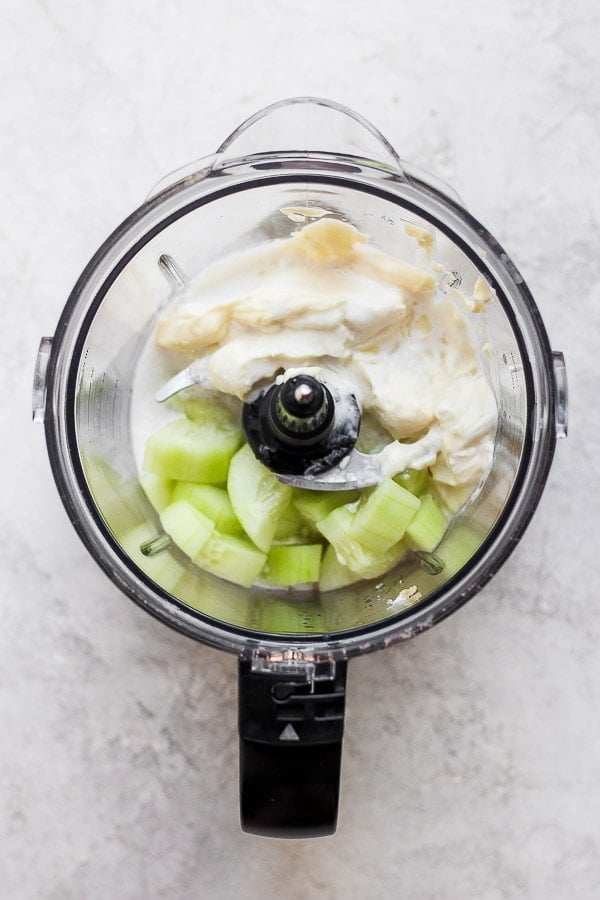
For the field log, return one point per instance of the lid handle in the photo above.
(311, 124)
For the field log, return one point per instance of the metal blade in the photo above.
(357, 470)
(195, 373)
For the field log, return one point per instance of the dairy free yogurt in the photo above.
(326, 297)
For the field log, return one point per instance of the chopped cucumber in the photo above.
(336, 527)
(192, 451)
(299, 616)
(291, 564)
(414, 480)
(203, 410)
(333, 574)
(257, 496)
(158, 490)
(120, 502)
(292, 528)
(383, 516)
(187, 526)
(163, 568)
(191, 587)
(315, 505)
(380, 563)
(373, 436)
(231, 557)
(461, 543)
(213, 501)
(428, 526)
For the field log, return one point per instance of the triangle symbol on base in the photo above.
(289, 733)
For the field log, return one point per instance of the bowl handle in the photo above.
(305, 124)
(309, 125)
(291, 734)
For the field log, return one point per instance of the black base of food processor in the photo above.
(290, 752)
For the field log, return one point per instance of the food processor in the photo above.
(293, 646)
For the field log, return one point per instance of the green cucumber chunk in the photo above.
(158, 490)
(211, 500)
(203, 410)
(192, 451)
(299, 616)
(333, 574)
(383, 516)
(373, 436)
(257, 496)
(428, 525)
(414, 480)
(365, 563)
(461, 543)
(232, 558)
(291, 564)
(315, 505)
(187, 526)
(292, 528)
(120, 502)
(163, 568)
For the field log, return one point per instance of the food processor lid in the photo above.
(384, 183)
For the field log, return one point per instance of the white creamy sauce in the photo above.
(324, 298)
